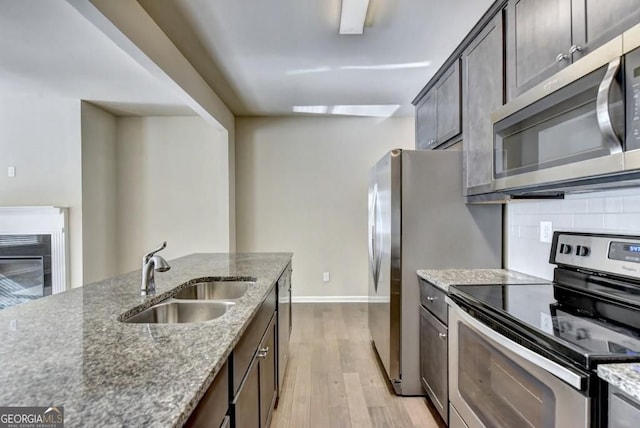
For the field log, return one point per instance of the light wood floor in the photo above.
(333, 378)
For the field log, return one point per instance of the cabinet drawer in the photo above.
(245, 349)
(432, 298)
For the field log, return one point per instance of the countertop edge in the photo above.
(624, 376)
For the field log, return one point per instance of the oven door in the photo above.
(495, 382)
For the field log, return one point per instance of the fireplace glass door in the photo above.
(21, 280)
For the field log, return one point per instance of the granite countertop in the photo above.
(70, 349)
(625, 377)
(444, 278)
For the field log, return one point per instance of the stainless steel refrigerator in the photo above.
(418, 220)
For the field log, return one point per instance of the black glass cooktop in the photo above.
(569, 321)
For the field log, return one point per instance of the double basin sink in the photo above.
(201, 301)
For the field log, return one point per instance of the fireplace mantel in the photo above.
(42, 220)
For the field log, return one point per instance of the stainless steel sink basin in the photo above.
(181, 312)
(214, 290)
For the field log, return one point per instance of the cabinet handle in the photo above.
(432, 141)
(561, 57)
(442, 335)
(575, 48)
(262, 353)
(431, 299)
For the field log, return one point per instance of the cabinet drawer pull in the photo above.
(442, 335)
(431, 299)
(262, 353)
(561, 57)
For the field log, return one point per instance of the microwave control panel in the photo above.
(632, 84)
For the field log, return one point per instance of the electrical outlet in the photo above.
(11, 171)
(326, 277)
(546, 231)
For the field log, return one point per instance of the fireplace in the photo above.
(25, 268)
(33, 253)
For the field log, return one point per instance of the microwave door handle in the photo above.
(574, 379)
(603, 101)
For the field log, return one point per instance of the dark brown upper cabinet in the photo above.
(482, 71)
(438, 112)
(544, 36)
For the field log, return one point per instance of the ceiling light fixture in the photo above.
(400, 66)
(352, 16)
(311, 109)
(383, 110)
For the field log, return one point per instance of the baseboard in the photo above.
(335, 299)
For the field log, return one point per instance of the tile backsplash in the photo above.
(611, 211)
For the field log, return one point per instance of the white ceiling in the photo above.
(261, 57)
(48, 48)
(265, 57)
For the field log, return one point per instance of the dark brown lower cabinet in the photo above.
(268, 379)
(253, 404)
(433, 361)
(247, 402)
(249, 380)
(434, 347)
(212, 408)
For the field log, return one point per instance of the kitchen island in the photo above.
(72, 350)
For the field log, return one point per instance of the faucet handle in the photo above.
(150, 254)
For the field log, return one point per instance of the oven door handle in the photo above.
(574, 379)
(603, 103)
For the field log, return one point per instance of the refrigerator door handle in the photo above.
(374, 256)
(372, 244)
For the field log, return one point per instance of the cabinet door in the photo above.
(448, 104)
(247, 402)
(537, 32)
(268, 381)
(483, 68)
(595, 22)
(213, 406)
(426, 121)
(433, 361)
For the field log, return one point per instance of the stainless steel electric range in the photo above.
(526, 355)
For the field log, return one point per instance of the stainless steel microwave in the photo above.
(583, 122)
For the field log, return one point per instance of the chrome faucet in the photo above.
(150, 263)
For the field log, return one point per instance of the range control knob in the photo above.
(582, 251)
(565, 249)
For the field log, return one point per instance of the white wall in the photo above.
(606, 211)
(173, 185)
(301, 187)
(99, 199)
(40, 136)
